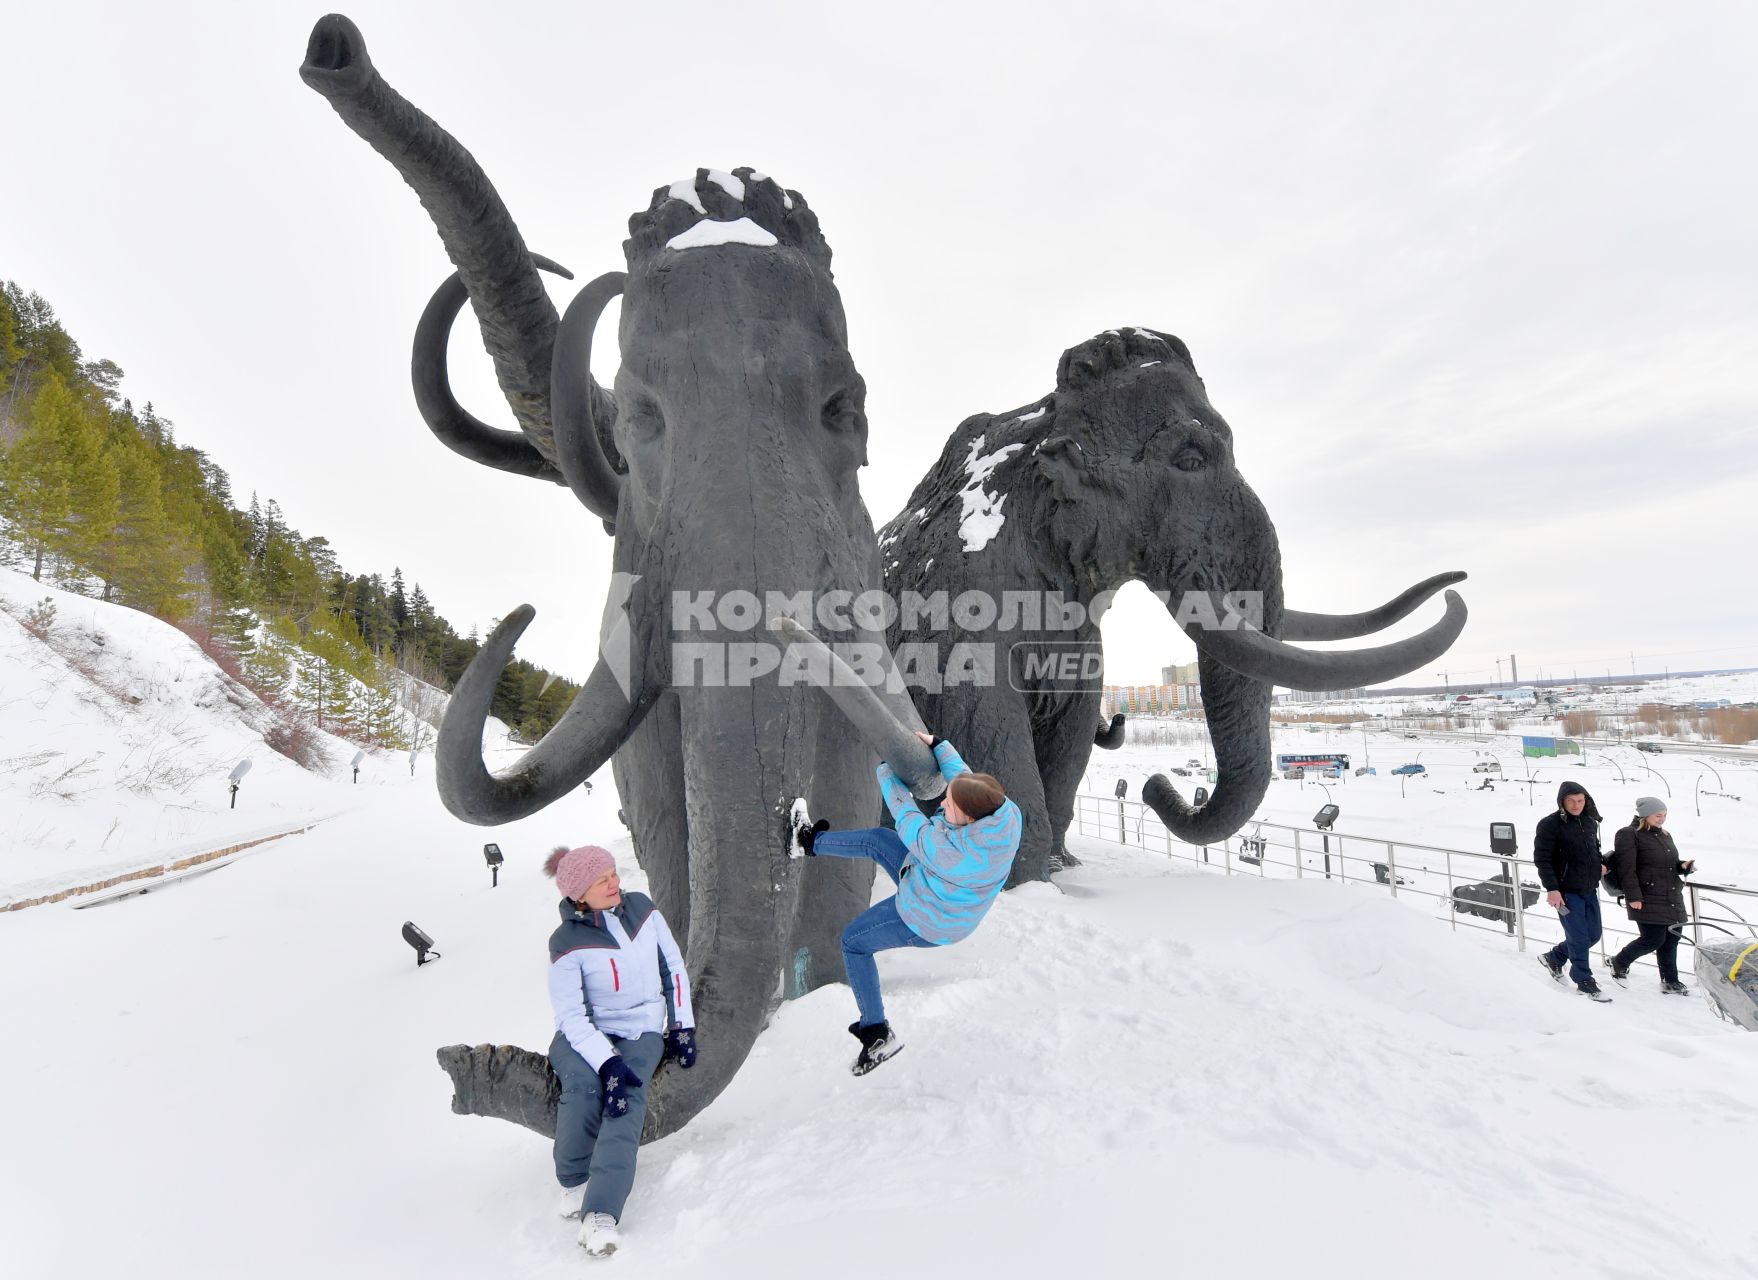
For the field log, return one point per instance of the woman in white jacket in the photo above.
(622, 1004)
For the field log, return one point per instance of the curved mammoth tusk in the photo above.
(876, 723)
(596, 723)
(579, 452)
(1110, 736)
(456, 427)
(1297, 625)
(1252, 653)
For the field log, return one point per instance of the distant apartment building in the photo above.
(1150, 699)
(1325, 695)
(1187, 674)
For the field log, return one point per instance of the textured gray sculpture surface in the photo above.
(723, 459)
(1124, 473)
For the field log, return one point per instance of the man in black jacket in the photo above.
(1565, 849)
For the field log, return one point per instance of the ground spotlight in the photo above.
(421, 942)
(235, 777)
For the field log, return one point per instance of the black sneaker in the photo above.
(1591, 990)
(1555, 970)
(1620, 974)
(877, 1044)
(1674, 988)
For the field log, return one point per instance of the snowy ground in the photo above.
(1444, 806)
(1145, 1072)
(1152, 1072)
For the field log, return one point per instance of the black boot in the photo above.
(877, 1044)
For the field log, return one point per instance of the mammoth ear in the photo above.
(1062, 463)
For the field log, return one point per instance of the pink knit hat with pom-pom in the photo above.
(577, 870)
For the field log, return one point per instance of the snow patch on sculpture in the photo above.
(685, 189)
(982, 518)
(733, 186)
(707, 234)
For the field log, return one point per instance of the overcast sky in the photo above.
(1474, 283)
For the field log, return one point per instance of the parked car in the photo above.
(1193, 764)
(1182, 773)
(1649, 747)
(1487, 766)
(1413, 735)
(1408, 770)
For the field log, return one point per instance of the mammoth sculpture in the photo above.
(722, 459)
(1124, 473)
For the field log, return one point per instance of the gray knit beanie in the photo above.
(1648, 806)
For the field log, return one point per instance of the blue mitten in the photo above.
(617, 1080)
(680, 1043)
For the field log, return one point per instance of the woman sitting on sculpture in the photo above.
(948, 870)
(622, 1002)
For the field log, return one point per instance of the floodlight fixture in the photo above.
(235, 777)
(355, 764)
(421, 942)
(1501, 838)
(1200, 797)
(1326, 817)
(1122, 788)
(491, 854)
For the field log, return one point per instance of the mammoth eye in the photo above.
(646, 416)
(1190, 459)
(843, 412)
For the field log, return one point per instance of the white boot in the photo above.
(569, 1201)
(799, 821)
(598, 1235)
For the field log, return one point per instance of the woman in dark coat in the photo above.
(1647, 870)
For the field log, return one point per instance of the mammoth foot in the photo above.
(503, 1082)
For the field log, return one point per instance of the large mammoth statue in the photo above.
(722, 459)
(1124, 473)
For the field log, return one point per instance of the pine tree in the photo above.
(58, 495)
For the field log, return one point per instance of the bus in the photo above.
(1324, 761)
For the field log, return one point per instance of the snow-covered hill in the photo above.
(117, 734)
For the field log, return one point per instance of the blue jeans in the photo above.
(1581, 929)
(589, 1147)
(878, 928)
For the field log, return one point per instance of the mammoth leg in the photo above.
(1062, 750)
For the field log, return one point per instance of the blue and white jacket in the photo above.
(955, 873)
(615, 973)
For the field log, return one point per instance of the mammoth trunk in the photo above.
(1237, 708)
(741, 884)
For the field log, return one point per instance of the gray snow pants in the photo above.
(593, 1148)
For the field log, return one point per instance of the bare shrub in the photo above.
(1576, 723)
(294, 735)
(1501, 723)
(61, 785)
(217, 649)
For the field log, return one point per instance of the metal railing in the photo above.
(1473, 889)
